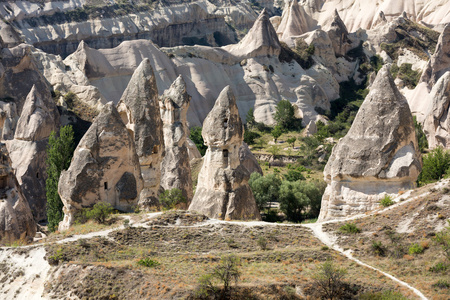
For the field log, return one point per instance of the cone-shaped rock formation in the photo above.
(175, 167)
(378, 155)
(223, 190)
(16, 219)
(104, 168)
(338, 34)
(139, 109)
(294, 21)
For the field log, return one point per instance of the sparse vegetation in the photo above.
(405, 72)
(386, 201)
(378, 248)
(169, 199)
(330, 280)
(443, 239)
(147, 262)
(349, 228)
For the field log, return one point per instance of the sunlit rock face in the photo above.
(378, 155)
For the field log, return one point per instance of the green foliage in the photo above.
(291, 141)
(407, 74)
(439, 267)
(378, 248)
(250, 118)
(302, 54)
(147, 262)
(294, 175)
(299, 199)
(415, 249)
(276, 132)
(435, 165)
(265, 188)
(386, 201)
(285, 116)
(99, 212)
(196, 137)
(70, 99)
(421, 137)
(250, 136)
(443, 239)
(329, 280)
(349, 228)
(59, 154)
(170, 198)
(385, 295)
(274, 150)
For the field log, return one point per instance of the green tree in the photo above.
(99, 212)
(294, 175)
(329, 280)
(276, 132)
(250, 118)
(435, 165)
(293, 202)
(421, 137)
(59, 154)
(196, 137)
(265, 188)
(291, 141)
(285, 115)
(170, 198)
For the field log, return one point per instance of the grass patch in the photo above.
(349, 228)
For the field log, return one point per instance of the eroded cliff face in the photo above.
(378, 155)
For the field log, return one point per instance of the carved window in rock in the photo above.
(155, 150)
(225, 123)
(105, 185)
(225, 153)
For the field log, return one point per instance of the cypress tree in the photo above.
(59, 154)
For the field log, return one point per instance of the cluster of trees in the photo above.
(299, 199)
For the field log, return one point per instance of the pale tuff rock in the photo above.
(139, 110)
(365, 14)
(104, 168)
(339, 35)
(175, 167)
(36, 121)
(260, 40)
(294, 21)
(192, 149)
(223, 190)
(248, 160)
(437, 121)
(440, 60)
(16, 219)
(8, 120)
(311, 129)
(324, 51)
(378, 155)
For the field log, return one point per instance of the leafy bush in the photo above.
(386, 201)
(421, 137)
(265, 188)
(378, 248)
(291, 141)
(99, 212)
(171, 198)
(147, 262)
(250, 117)
(435, 165)
(250, 136)
(439, 267)
(302, 54)
(329, 280)
(196, 137)
(415, 249)
(276, 132)
(59, 154)
(349, 228)
(294, 175)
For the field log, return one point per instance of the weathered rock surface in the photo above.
(294, 22)
(104, 168)
(339, 35)
(440, 60)
(16, 219)
(223, 191)
(437, 121)
(248, 160)
(311, 129)
(192, 149)
(175, 167)
(378, 155)
(139, 110)
(364, 14)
